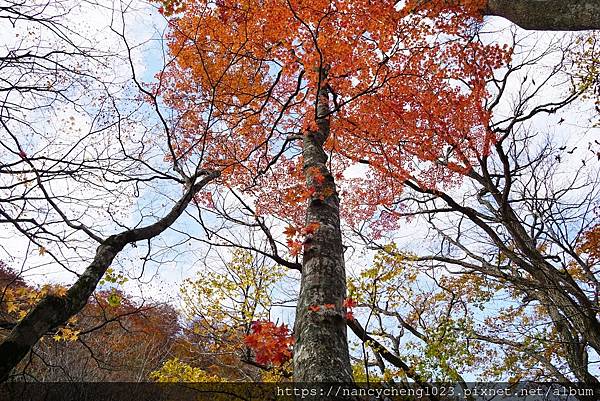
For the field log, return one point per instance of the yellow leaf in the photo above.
(60, 291)
(11, 307)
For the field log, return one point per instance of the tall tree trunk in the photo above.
(321, 349)
(548, 15)
(53, 311)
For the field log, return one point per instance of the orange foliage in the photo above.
(310, 228)
(290, 231)
(295, 236)
(407, 84)
(590, 244)
(128, 338)
(271, 344)
(348, 304)
(294, 247)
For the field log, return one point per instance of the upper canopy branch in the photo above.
(548, 15)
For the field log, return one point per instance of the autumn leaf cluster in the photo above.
(407, 84)
(271, 343)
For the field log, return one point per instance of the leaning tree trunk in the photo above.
(321, 349)
(53, 311)
(548, 15)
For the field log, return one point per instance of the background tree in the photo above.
(223, 308)
(114, 337)
(81, 142)
(512, 238)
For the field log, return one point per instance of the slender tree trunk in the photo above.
(548, 15)
(321, 349)
(53, 311)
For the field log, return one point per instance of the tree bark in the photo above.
(321, 349)
(548, 15)
(53, 311)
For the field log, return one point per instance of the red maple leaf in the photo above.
(271, 343)
(289, 231)
(349, 303)
(310, 228)
(294, 247)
